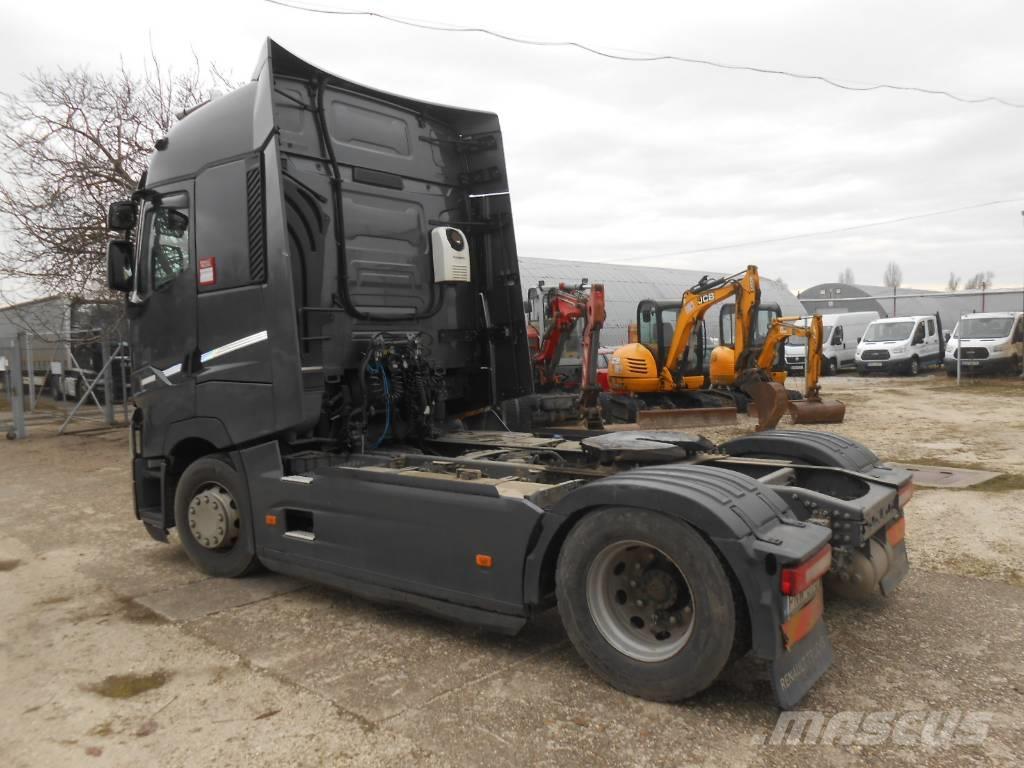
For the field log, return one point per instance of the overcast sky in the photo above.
(634, 162)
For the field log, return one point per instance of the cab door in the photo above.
(162, 310)
(841, 348)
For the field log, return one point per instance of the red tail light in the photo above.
(906, 493)
(798, 578)
(895, 533)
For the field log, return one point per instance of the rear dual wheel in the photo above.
(646, 602)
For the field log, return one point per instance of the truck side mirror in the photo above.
(119, 266)
(122, 215)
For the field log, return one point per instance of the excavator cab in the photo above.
(723, 357)
(640, 363)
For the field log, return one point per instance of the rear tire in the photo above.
(666, 633)
(211, 485)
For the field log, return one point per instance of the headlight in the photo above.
(1000, 347)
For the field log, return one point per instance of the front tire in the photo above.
(646, 602)
(915, 366)
(213, 518)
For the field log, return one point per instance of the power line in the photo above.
(821, 233)
(647, 58)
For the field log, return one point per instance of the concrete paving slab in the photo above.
(928, 476)
(552, 711)
(213, 596)
(372, 660)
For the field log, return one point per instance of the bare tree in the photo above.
(72, 142)
(846, 277)
(893, 277)
(953, 284)
(979, 280)
(783, 285)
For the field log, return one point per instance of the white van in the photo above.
(838, 344)
(992, 341)
(900, 345)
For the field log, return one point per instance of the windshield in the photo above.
(888, 331)
(986, 327)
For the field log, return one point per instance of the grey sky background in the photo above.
(628, 162)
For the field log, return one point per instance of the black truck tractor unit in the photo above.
(325, 316)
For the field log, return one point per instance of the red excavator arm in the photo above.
(564, 307)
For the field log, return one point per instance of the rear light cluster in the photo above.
(906, 493)
(798, 578)
(802, 604)
(895, 533)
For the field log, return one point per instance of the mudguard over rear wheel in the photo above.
(646, 602)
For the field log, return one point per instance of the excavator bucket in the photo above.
(768, 399)
(817, 411)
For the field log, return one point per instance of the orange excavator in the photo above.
(812, 409)
(659, 381)
(562, 309)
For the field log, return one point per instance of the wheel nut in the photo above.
(673, 620)
(639, 603)
(632, 583)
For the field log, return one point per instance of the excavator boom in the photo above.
(757, 380)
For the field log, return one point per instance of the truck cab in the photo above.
(900, 345)
(843, 332)
(987, 342)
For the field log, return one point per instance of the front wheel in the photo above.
(646, 602)
(915, 366)
(213, 520)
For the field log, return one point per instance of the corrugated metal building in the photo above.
(44, 321)
(625, 286)
(832, 298)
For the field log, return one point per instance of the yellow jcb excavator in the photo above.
(759, 376)
(659, 381)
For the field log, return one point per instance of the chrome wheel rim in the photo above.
(213, 518)
(640, 601)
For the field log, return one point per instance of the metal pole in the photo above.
(959, 348)
(30, 367)
(122, 347)
(108, 380)
(17, 391)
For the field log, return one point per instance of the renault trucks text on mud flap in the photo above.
(325, 312)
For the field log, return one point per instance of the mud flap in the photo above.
(793, 672)
(899, 566)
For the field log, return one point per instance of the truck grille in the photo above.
(875, 354)
(972, 353)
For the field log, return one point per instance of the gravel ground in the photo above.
(115, 651)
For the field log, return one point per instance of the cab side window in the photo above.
(648, 330)
(168, 251)
(931, 327)
(1018, 335)
(837, 335)
(919, 334)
